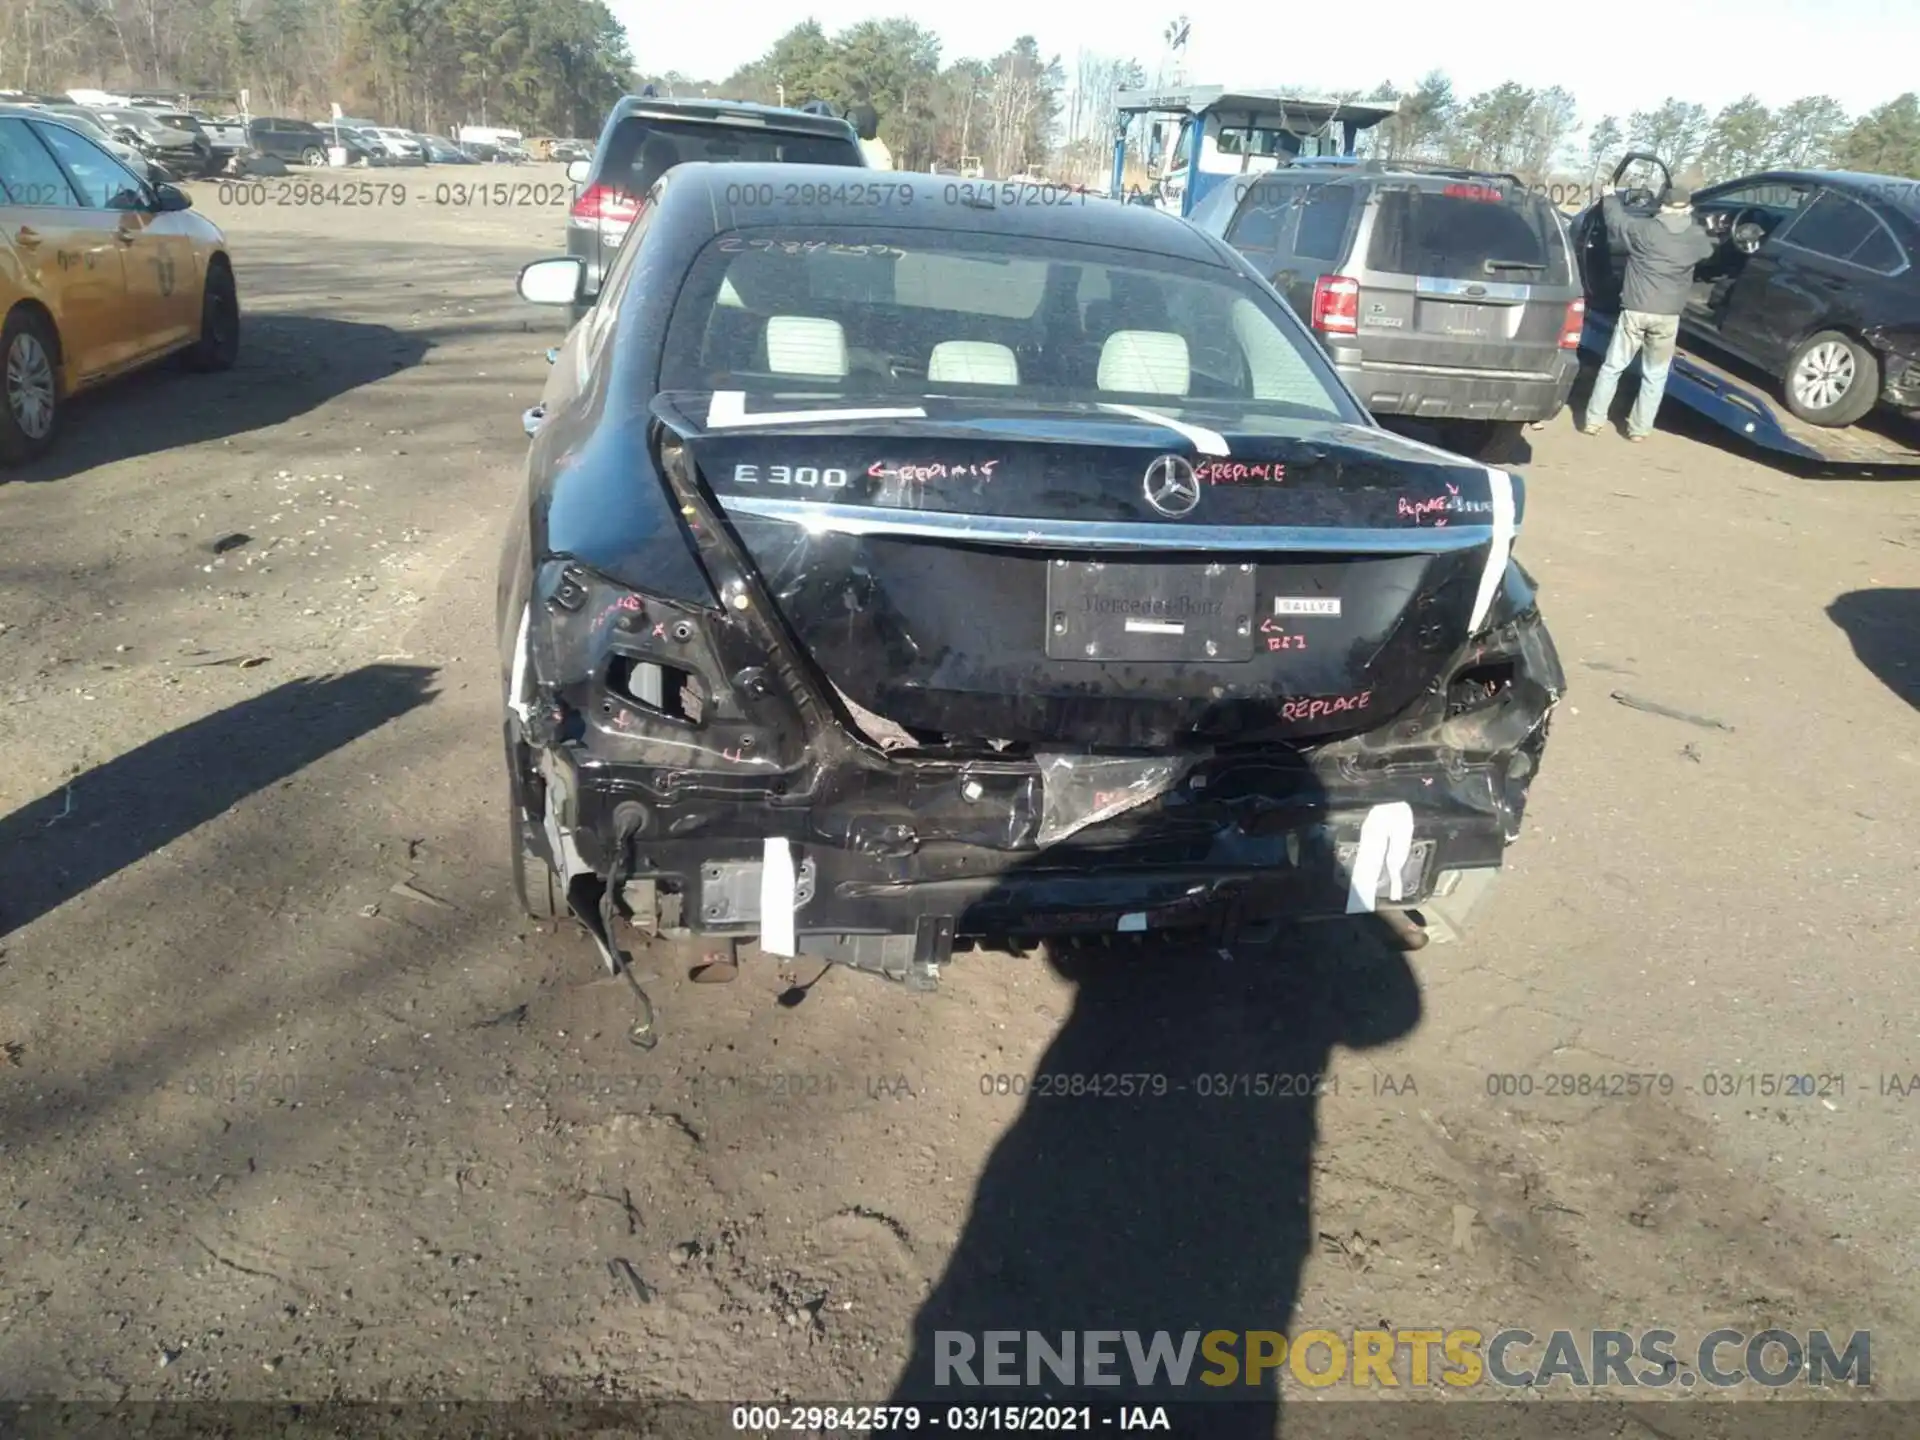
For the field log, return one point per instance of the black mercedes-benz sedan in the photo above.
(906, 560)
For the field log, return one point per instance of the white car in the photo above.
(402, 146)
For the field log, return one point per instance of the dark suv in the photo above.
(303, 142)
(644, 137)
(1443, 295)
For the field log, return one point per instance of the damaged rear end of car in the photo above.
(881, 617)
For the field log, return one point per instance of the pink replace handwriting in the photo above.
(1419, 511)
(1452, 503)
(1232, 472)
(1334, 705)
(938, 470)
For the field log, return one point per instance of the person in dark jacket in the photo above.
(1662, 250)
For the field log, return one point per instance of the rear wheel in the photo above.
(219, 343)
(30, 414)
(313, 155)
(1832, 379)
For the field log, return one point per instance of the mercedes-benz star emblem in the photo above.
(1171, 486)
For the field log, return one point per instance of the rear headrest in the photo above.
(805, 345)
(1151, 362)
(973, 362)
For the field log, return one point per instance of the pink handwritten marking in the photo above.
(738, 757)
(1418, 510)
(1104, 798)
(1315, 709)
(628, 602)
(660, 631)
(937, 470)
(1286, 642)
(1441, 506)
(1232, 472)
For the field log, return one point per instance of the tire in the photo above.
(534, 882)
(1831, 380)
(29, 387)
(219, 343)
(313, 156)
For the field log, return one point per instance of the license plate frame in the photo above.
(1463, 320)
(1103, 611)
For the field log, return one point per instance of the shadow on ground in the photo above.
(1506, 448)
(289, 365)
(1884, 628)
(1682, 420)
(114, 815)
(1187, 1207)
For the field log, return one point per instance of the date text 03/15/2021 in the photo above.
(850, 1419)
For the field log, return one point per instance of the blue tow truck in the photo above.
(1201, 136)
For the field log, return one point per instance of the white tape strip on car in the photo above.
(1207, 442)
(517, 687)
(778, 890)
(1500, 488)
(728, 411)
(1386, 840)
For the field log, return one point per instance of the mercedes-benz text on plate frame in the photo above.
(1171, 487)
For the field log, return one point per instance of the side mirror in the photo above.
(578, 171)
(552, 282)
(168, 198)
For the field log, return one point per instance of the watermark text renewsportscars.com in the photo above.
(1224, 1362)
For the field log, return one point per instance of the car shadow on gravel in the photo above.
(1183, 1211)
(289, 365)
(1884, 628)
(116, 814)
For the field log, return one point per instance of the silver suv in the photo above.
(1443, 295)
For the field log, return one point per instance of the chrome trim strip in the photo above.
(827, 518)
(1438, 287)
(1414, 367)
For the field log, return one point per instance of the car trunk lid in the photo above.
(1100, 576)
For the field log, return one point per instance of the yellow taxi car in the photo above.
(101, 272)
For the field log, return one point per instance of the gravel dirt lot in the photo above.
(294, 1103)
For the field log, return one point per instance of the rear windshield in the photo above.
(134, 119)
(1451, 234)
(642, 150)
(873, 312)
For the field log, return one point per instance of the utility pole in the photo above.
(1177, 35)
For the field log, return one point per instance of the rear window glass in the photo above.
(642, 150)
(869, 312)
(1323, 223)
(1265, 222)
(1453, 236)
(1879, 252)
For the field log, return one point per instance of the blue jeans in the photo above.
(1652, 338)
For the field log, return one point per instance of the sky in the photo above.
(1861, 52)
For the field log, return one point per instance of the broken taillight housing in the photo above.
(1336, 305)
(604, 205)
(1573, 324)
